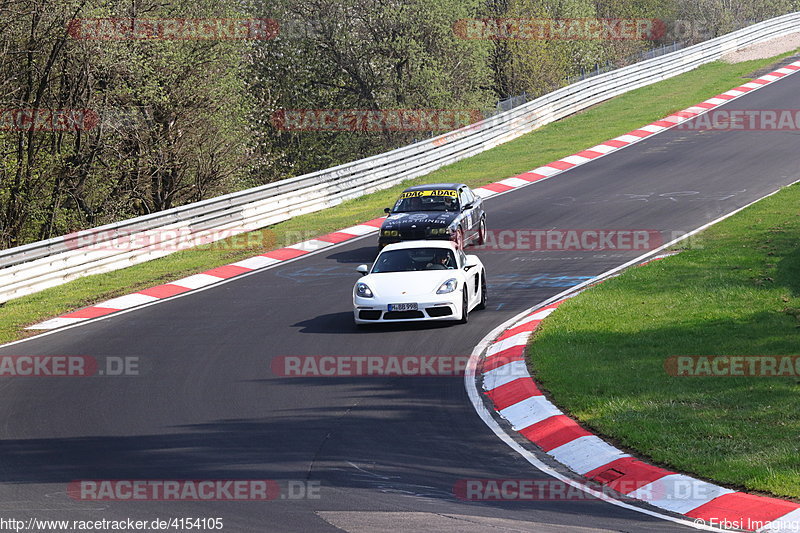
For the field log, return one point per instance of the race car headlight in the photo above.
(363, 290)
(448, 286)
(390, 233)
(438, 231)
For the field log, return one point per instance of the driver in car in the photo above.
(441, 261)
(414, 204)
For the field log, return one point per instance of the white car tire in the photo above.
(482, 303)
(464, 307)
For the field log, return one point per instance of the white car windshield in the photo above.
(413, 259)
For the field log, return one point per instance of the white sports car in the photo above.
(419, 280)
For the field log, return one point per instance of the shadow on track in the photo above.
(366, 254)
(343, 323)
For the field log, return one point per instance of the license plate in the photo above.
(402, 307)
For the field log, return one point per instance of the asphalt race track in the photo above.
(386, 451)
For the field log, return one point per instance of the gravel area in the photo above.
(764, 50)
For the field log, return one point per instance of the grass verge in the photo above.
(552, 142)
(602, 354)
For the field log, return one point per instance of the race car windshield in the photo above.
(414, 259)
(425, 203)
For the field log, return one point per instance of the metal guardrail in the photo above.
(33, 267)
(514, 101)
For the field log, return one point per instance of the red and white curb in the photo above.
(517, 399)
(210, 277)
(582, 157)
(526, 178)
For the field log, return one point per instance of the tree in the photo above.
(361, 54)
(172, 116)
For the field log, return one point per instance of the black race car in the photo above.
(435, 211)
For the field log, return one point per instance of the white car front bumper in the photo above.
(370, 311)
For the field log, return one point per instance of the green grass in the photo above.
(595, 125)
(601, 355)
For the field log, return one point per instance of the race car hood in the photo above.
(420, 219)
(404, 286)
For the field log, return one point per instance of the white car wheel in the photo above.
(464, 307)
(482, 304)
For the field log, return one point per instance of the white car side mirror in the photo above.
(471, 261)
(362, 269)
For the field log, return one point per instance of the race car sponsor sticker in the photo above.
(432, 192)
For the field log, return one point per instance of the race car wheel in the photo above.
(459, 238)
(482, 232)
(482, 304)
(464, 307)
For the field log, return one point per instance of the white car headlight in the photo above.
(363, 290)
(448, 286)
